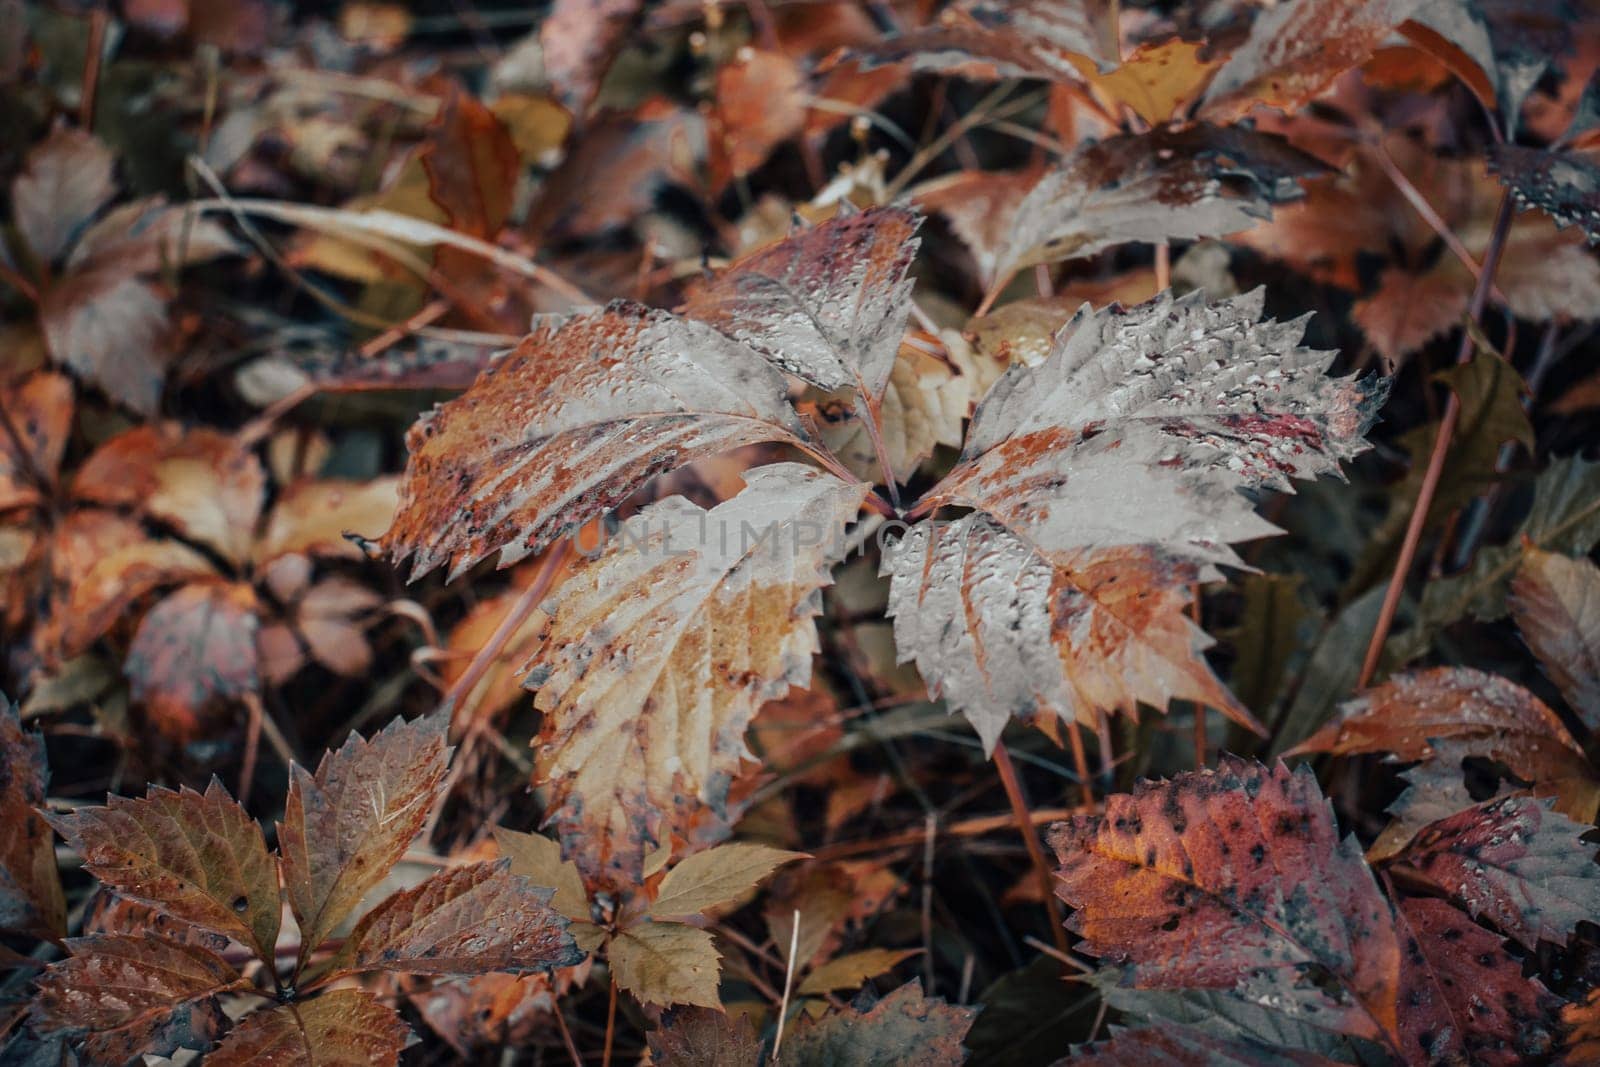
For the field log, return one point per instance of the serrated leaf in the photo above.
(342, 1028)
(717, 876)
(1014, 39)
(1555, 602)
(667, 963)
(568, 425)
(1515, 862)
(66, 181)
(1110, 478)
(1191, 884)
(923, 406)
(661, 649)
(1200, 181)
(199, 857)
(700, 1037)
(123, 992)
(885, 1033)
(538, 859)
(1182, 1046)
(30, 888)
(1564, 185)
(194, 648)
(1408, 310)
(828, 304)
(850, 971)
(467, 920)
(347, 825)
(1463, 996)
(1297, 48)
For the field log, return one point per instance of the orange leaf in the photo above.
(193, 649)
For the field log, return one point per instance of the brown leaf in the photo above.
(981, 207)
(1564, 185)
(905, 1019)
(67, 180)
(1409, 310)
(550, 436)
(345, 827)
(200, 857)
(40, 410)
(1201, 181)
(538, 859)
(1206, 882)
(1582, 1042)
(1155, 78)
(132, 994)
(488, 1012)
(666, 963)
(1462, 995)
(700, 1037)
(828, 304)
(1296, 49)
(760, 103)
(580, 38)
(1555, 601)
(194, 648)
(1018, 39)
(664, 645)
(313, 516)
(328, 617)
(715, 878)
(118, 580)
(472, 166)
(110, 328)
(466, 920)
(342, 1028)
(1515, 862)
(30, 889)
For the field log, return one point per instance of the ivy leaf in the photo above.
(568, 425)
(1555, 601)
(199, 857)
(828, 305)
(1108, 479)
(342, 1028)
(1296, 49)
(662, 647)
(30, 888)
(1200, 181)
(1463, 996)
(345, 827)
(130, 994)
(864, 1036)
(1192, 884)
(467, 920)
(667, 963)
(716, 877)
(1564, 185)
(1517, 863)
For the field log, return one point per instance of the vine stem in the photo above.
(611, 1024)
(1030, 838)
(1441, 447)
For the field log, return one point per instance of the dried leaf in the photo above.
(1192, 884)
(664, 645)
(568, 425)
(828, 304)
(118, 580)
(466, 920)
(1201, 181)
(472, 166)
(538, 859)
(700, 1037)
(1017, 39)
(110, 329)
(849, 972)
(345, 827)
(716, 877)
(40, 408)
(67, 180)
(579, 39)
(130, 994)
(1155, 78)
(313, 517)
(194, 648)
(667, 963)
(199, 857)
(905, 1019)
(924, 406)
(1462, 995)
(1564, 185)
(30, 889)
(1183, 1046)
(343, 1028)
(1515, 862)
(760, 103)
(981, 207)
(1582, 1042)
(1555, 601)
(1409, 310)
(1296, 49)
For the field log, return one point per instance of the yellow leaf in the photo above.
(1155, 79)
(716, 876)
(848, 972)
(538, 859)
(667, 963)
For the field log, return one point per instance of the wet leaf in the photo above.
(1564, 185)
(343, 1028)
(1555, 601)
(1019, 39)
(1181, 1046)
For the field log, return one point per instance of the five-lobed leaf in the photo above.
(346, 826)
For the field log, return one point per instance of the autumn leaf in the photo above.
(1408, 310)
(1181, 1046)
(646, 690)
(1180, 886)
(1296, 49)
(1564, 185)
(579, 40)
(538, 859)
(760, 103)
(1582, 1043)
(1555, 601)
(67, 180)
(1019, 39)
(705, 1038)
(828, 304)
(850, 971)
(981, 207)
(40, 409)
(1515, 862)
(313, 516)
(666, 963)
(195, 647)
(466, 920)
(342, 1028)
(1201, 181)
(715, 878)
(30, 888)
(1155, 78)
(568, 425)
(905, 1019)
(130, 994)
(1107, 479)
(346, 826)
(923, 406)
(199, 857)
(1463, 995)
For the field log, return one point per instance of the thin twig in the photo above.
(788, 982)
(1080, 759)
(566, 1036)
(91, 67)
(1030, 838)
(1441, 447)
(611, 1023)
